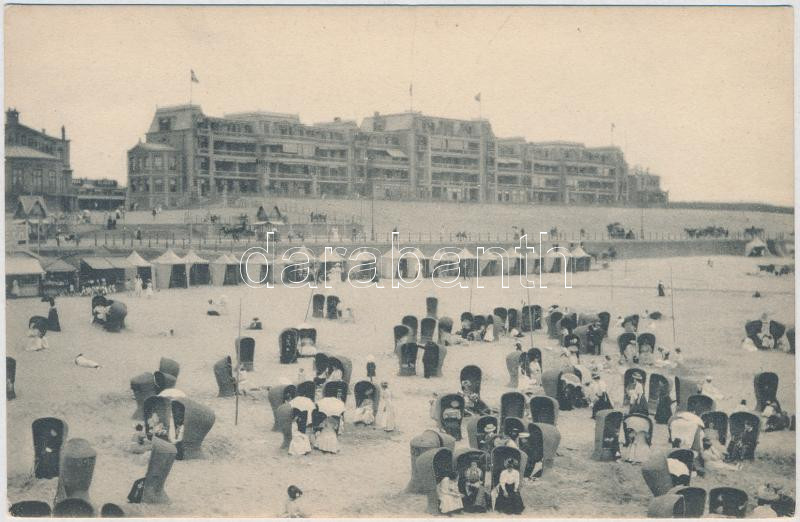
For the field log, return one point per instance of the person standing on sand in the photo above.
(385, 419)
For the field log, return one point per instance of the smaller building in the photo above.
(644, 189)
(98, 194)
(156, 178)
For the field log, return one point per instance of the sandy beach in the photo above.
(246, 474)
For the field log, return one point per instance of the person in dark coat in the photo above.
(53, 324)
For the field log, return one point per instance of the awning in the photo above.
(98, 263)
(23, 266)
(120, 262)
(59, 265)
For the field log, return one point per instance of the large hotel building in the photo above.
(188, 157)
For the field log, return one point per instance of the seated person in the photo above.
(772, 418)
(365, 414)
(681, 475)
(255, 324)
(714, 457)
(646, 355)
(100, 313)
(213, 309)
(451, 419)
(743, 445)
(35, 340)
(449, 497)
(475, 498)
(631, 353)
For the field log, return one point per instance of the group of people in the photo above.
(139, 287)
(475, 497)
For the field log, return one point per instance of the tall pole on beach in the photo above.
(238, 365)
(672, 298)
(530, 314)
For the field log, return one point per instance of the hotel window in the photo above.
(16, 177)
(52, 175)
(159, 184)
(37, 179)
(157, 161)
(173, 185)
(173, 163)
(147, 162)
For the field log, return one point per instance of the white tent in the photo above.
(197, 268)
(143, 267)
(446, 258)
(255, 268)
(296, 265)
(225, 270)
(407, 265)
(170, 271)
(553, 261)
(489, 263)
(581, 261)
(367, 265)
(756, 248)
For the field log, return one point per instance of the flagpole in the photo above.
(191, 89)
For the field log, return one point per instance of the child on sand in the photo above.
(294, 507)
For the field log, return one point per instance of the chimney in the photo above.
(63, 133)
(12, 116)
(376, 114)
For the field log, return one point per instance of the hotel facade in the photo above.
(188, 157)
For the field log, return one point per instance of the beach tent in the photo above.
(408, 266)
(756, 248)
(553, 261)
(367, 266)
(26, 271)
(170, 271)
(294, 270)
(254, 269)
(492, 263)
(143, 267)
(329, 259)
(447, 258)
(198, 269)
(123, 268)
(581, 261)
(468, 263)
(225, 270)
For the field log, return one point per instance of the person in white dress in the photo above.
(449, 497)
(300, 444)
(35, 340)
(149, 291)
(385, 419)
(327, 439)
(137, 286)
(365, 414)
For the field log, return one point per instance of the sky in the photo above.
(702, 96)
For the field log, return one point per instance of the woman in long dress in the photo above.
(327, 439)
(53, 325)
(509, 501)
(449, 497)
(385, 419)
(300, 444)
